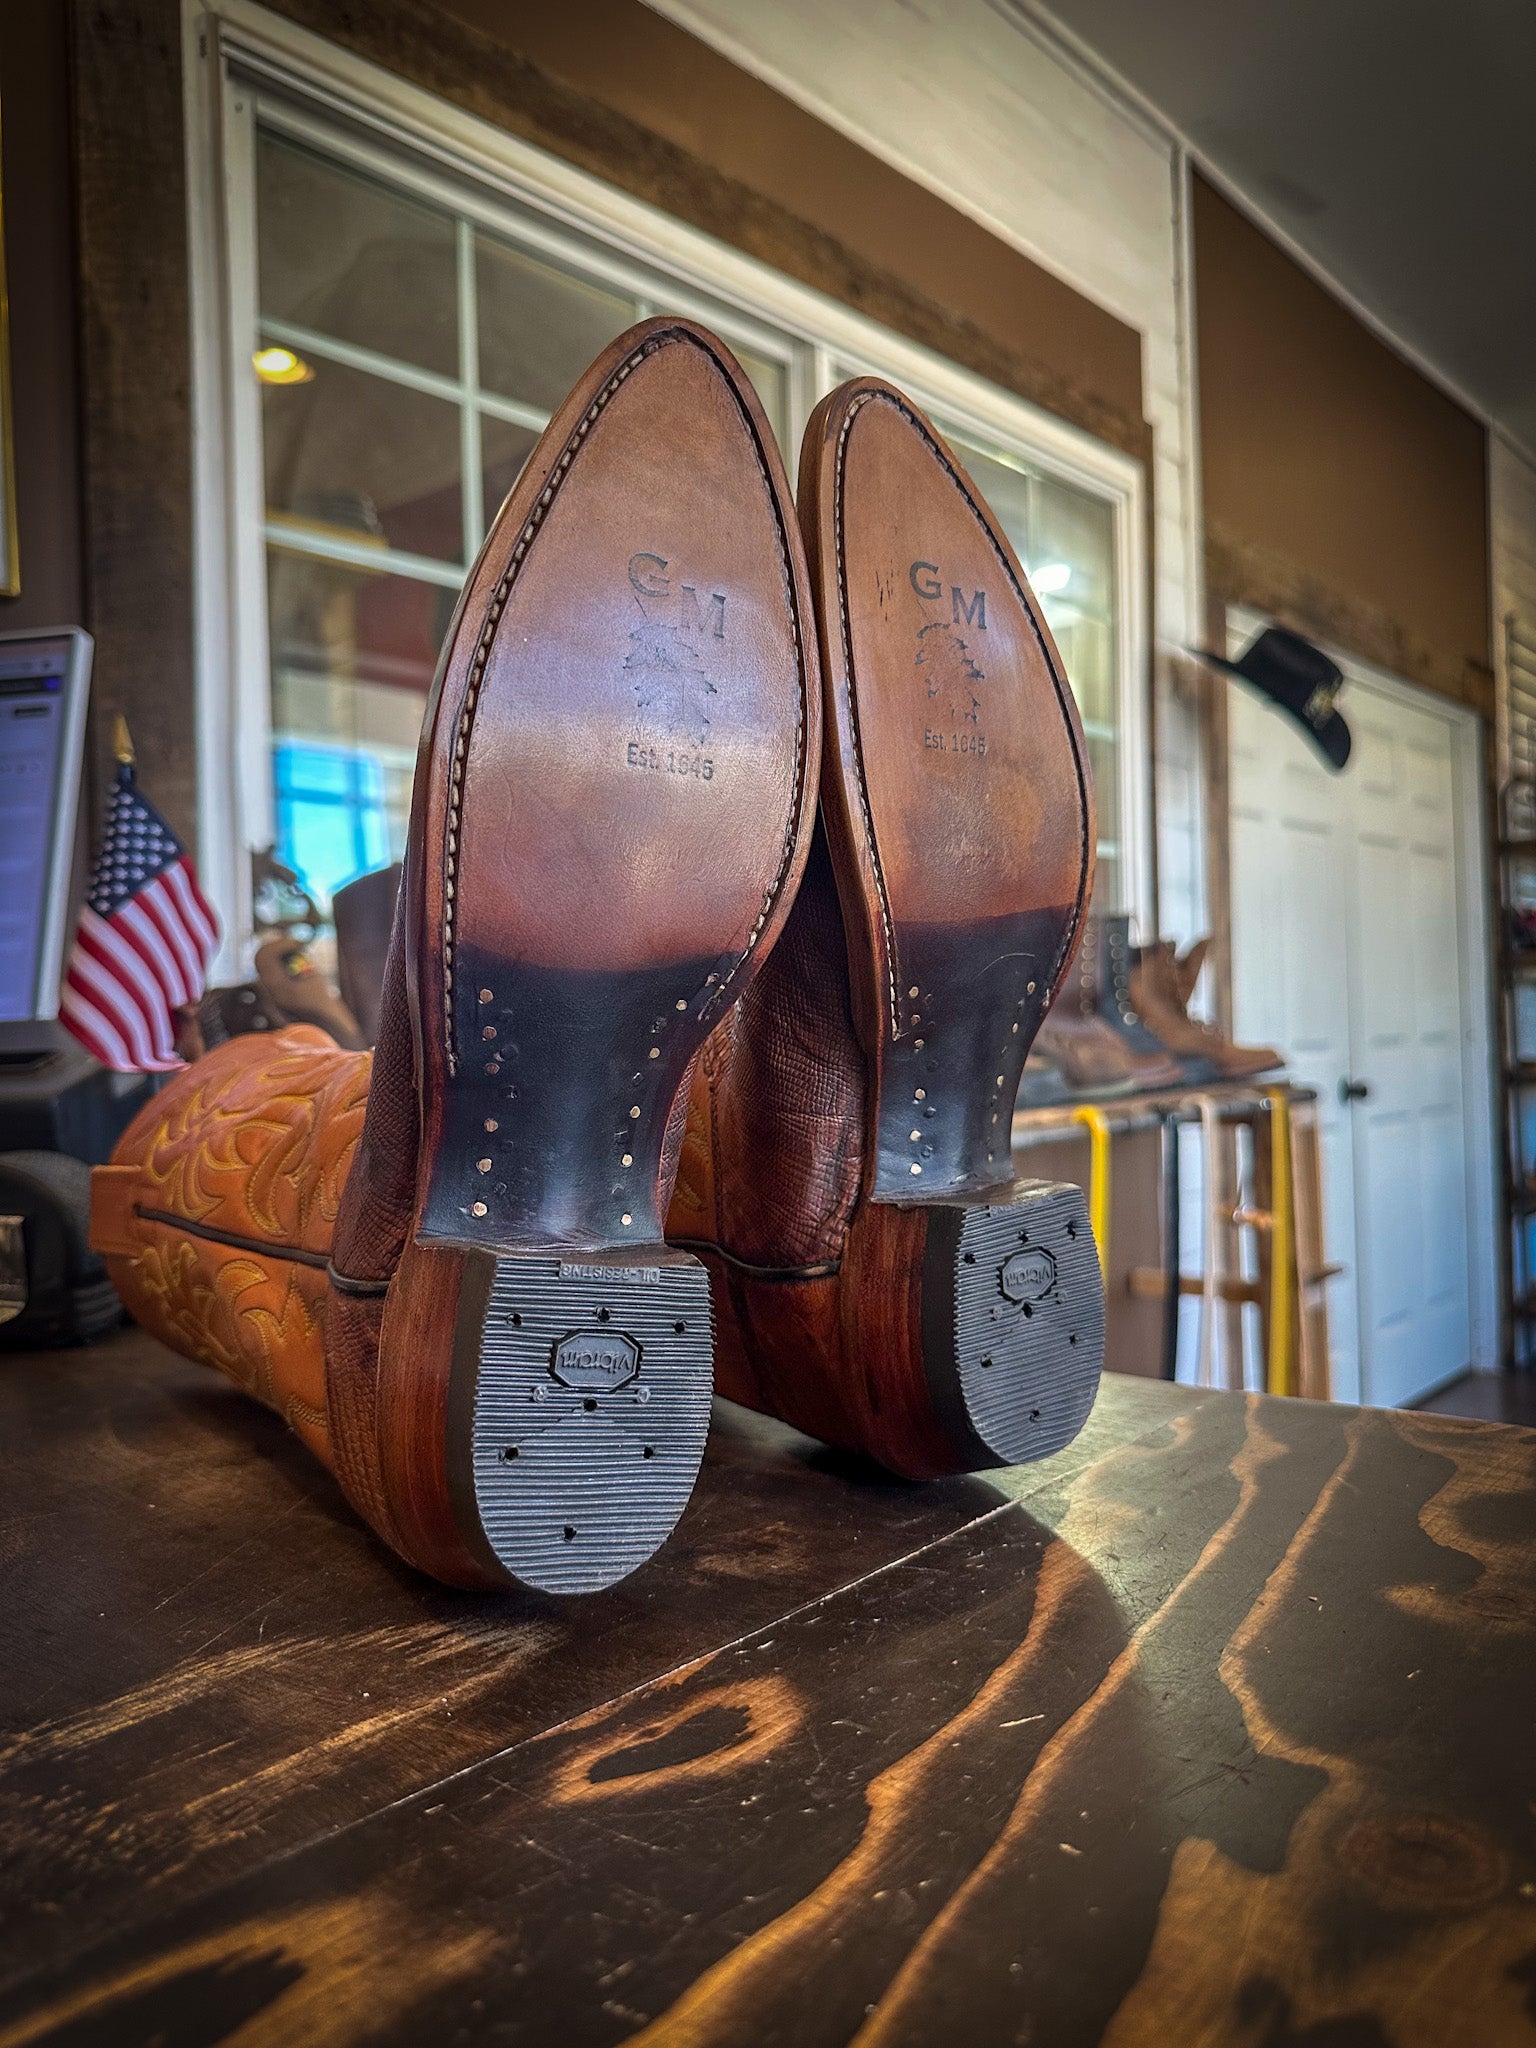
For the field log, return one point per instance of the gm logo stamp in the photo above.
(947, 657)
(966, 607)
(671, 653)
(1029, 1276)
(596, 1361)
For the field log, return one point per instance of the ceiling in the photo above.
(1393, 140)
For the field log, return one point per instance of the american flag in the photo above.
(145, 938)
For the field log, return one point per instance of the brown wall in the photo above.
(1343, 491)
(40, 268)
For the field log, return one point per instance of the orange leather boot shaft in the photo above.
(216, 1214)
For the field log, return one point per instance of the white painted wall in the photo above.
(985, 107)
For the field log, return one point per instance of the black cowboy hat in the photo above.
(1301, 679)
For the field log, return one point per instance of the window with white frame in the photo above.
(400, 330)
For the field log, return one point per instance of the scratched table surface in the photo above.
(1219, 1727)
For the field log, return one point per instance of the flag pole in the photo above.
(122, 748)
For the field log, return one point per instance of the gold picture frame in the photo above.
(10, 563)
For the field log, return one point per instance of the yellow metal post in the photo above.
(1098, 1177)
(1281, 1375)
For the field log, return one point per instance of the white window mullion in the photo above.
(251, 815)
(327, 545)
(469, 379)
(308, 341)
(826, 375)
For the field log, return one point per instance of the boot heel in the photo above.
(579, 1405)
(972, 1332)
(1013, 1322)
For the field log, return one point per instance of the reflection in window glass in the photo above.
(331, 811)
(356, 457)
(353, 652)
(504, 449)
(539, 328)
(343, 256)
(770, 380)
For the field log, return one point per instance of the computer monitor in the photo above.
(45, 678)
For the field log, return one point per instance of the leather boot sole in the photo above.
(609, 821)
(960, 815)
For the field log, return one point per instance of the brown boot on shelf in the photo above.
(444, 1263)
(1161, 985)
(880, 1280)
(1096, 1058)
(1093, 1060)
(1115, 954)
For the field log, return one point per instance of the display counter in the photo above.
(1203, 1730)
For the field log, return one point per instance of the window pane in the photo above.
(503, 451)
(1076, 531)
(341, 254)
(357, 456)
(353, 654)
(1006, 490)
(772, 386)
(539, 328)
(1108, 887)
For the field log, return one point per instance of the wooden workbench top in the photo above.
(1220, 1727)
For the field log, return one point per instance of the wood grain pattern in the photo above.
(1213, 1729)
(209, 1659)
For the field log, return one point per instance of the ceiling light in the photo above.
(1051, 577)
(281, 366)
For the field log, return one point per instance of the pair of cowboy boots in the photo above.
(627, 932)
(1098, 1048)
(1123, 1026)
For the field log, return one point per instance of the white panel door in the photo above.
(1346, 901)
(1291, 853)
(1405, 1000)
